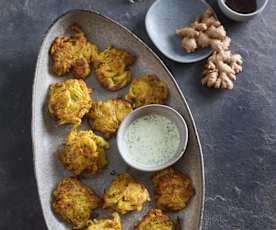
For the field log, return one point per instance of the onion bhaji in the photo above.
(155, 220)
(173, 190)
(113, 223)
(147, 90)
(125, 195)
(106, 116)
(73, 54)
(73, 202)
(84, 152)
(69, 101)
(112, 68)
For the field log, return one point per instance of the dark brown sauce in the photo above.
(242, 6)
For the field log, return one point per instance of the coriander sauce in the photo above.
(152, 140)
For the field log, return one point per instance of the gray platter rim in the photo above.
(33, 119)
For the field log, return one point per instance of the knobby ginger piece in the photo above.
(189, 41)
(221, 69)
(205, 31)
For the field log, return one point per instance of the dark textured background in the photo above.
(237, 128)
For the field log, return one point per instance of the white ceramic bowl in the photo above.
(261, 4)
(162, 110)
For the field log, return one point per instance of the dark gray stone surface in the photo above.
(237, 128)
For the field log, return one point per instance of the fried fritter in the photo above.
(155, 220)
(106, 116)
(147, 90)
(125, 195)
(173, 190)
(112, 68)
(84, 152)
(73, 54)
(113, 223)
(69, 101)
(73, 202)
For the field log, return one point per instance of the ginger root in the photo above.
(205, 31)
(221, 69)
(222, 66)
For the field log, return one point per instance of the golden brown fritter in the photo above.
(147, 90)
(84, 152)
(113, 223)
(112, 68)
(73, 202)
(73, 54)
(106, 116)
(125, 195)
(173, 190)
(69, 101)
(155, 220)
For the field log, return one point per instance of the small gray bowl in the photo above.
(162, 20)
(162, 110)
(261, 4)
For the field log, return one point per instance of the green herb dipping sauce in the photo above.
(152, 140)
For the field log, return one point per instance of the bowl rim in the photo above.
(259, 10)
(179, 60)
(155, 107)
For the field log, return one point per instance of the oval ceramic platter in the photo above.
(48, 138)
